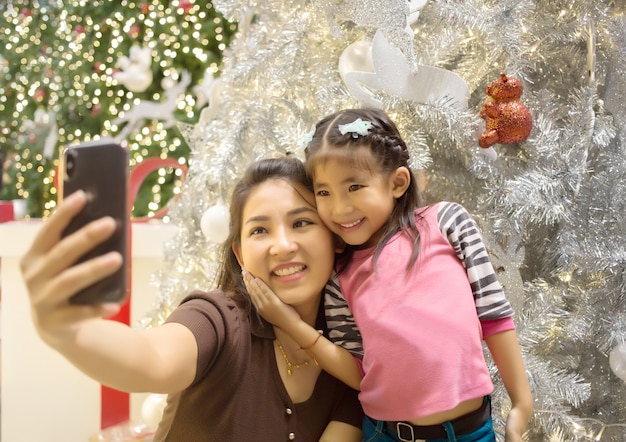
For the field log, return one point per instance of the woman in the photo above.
(230, 376)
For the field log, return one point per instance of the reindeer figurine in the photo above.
(153, 110)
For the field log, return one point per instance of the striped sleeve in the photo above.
(463, 234)
(342, 329)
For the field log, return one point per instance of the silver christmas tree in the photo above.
(551, 206)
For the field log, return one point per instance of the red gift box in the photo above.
(6, 211)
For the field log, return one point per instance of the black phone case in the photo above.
(100, 168)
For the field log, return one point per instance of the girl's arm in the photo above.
(506, 353)
(162, 359)
(465, 237)
(342, 328)
(334, 359)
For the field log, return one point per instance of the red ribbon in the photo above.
(115, 404)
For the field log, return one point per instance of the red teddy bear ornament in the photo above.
(508, 119)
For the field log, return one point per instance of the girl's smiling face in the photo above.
(354, 202)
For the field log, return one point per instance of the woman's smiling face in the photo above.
(285, 243)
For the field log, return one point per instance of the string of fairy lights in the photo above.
(61, 56)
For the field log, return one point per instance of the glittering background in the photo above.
(551, 208)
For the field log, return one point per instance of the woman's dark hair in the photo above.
(387, 151)
(290, 169)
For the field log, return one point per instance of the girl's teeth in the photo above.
(347, 226)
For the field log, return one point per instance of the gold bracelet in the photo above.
(314, 342)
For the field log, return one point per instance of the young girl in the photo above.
(420, 286)
(230, 376)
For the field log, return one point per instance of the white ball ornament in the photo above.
(152, 409)
(617, 361)
(215, 223)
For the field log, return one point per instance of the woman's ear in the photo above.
(235, 249)
(400, 181)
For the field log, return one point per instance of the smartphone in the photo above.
(100, 168)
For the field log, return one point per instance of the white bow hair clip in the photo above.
(356, 128)
(306, 138)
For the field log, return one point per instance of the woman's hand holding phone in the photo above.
(52, 275)
(75, 269)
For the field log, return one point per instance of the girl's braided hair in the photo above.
(380, 150)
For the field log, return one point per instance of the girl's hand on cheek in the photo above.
(269, 306)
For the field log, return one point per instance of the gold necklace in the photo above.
(290, 365)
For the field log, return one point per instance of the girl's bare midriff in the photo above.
(448, 415)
